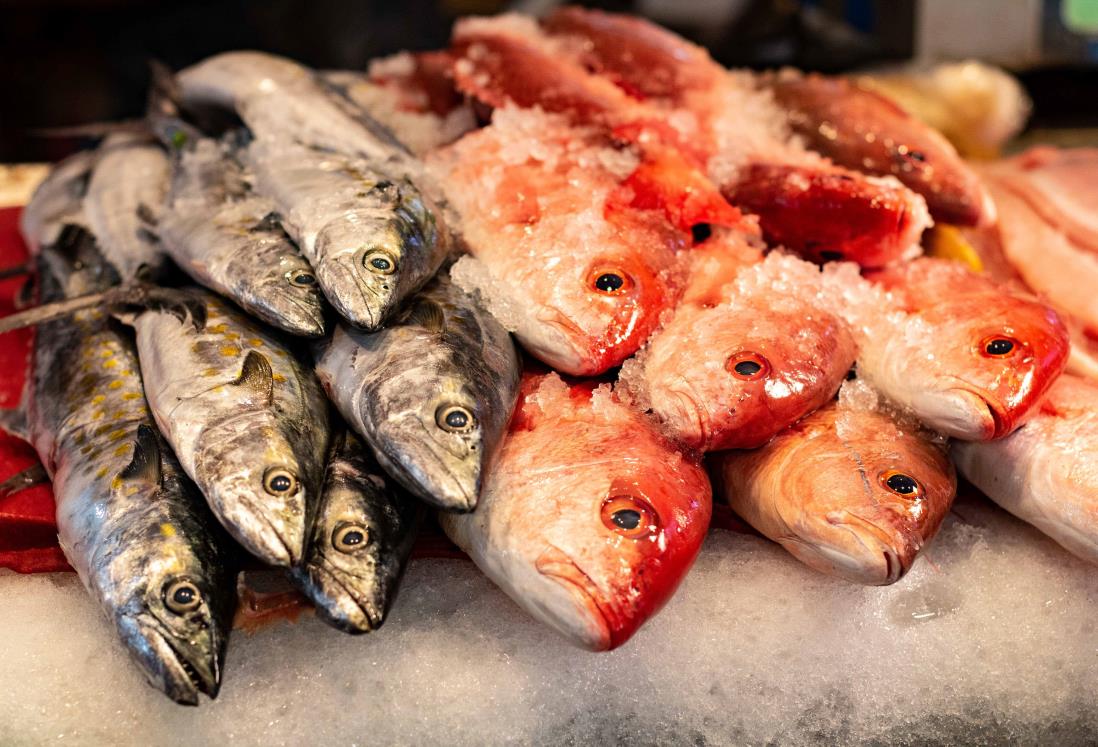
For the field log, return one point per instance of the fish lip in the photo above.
(579, 364)
(186, 680)
(273, 548)
(305, 320)
(374, 618)
(1000, 421)
(332, 278)
(461, 501)
(895, 565)
(553, 563)
(977, 405)
(687, 403)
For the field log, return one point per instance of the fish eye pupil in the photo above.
(184, 595)
(353, 537)
(748, 368)
(457, 419)
(999, 346)
(902, 484)
(609, 282)
(626, 518)
(304, 279)
(380, 263)
(281, 483)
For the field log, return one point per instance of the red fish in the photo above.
(590, 518)
(848, 491)
(972, 358)
(861, 129)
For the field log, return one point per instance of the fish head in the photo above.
(260, 486)
(359, 544)
(286, 295)
(73, 265)
(861, 499)
(369, 261)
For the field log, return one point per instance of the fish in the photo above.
(590, 517)
(849, 491)
(733, 374)
(579, 277)
(1046, 473)
(862, 129)
(971, 358)
(431, 393)
(129, 521)
(130, 177)
(372, 239)
(246, 417)
(56, 202)
(230, 240)
(360, 542)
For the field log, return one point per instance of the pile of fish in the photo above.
(277, 319)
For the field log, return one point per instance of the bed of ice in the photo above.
(990, 638)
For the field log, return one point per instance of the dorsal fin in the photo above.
(428, 314)
(256, 375)
(145, 465)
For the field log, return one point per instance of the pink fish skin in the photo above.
(990, 352)
(590, 517)
(861, 129)
(1046, 473)
(847, 491)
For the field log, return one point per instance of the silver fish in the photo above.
(229, 240)
(247, 419)
(130, 522)
(131, 175)
(360, 542)
(431, 394)
(372, 239)
(56, 201)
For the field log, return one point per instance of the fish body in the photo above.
(848, 491)
(860, 129)
(972, 358)
(130, 177)
(229, 240)
(56, 201)
(130, 522)
(1047, 472)
(247, 419)
(589, 518)
(431, 393)
(360, 543)
(372, 239)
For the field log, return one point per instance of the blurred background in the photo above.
(76, 61)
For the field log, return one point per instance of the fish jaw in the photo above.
(181, 669)
(353, 604)
(423, 471)
(359, 304)
(299, 314)
(958, 413)
(870, 564)
(579, 615)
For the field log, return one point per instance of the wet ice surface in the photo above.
(990, 638)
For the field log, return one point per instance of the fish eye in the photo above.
(998, 346)
(455, 419)
(379, 262)
(611, 281)
(630, 516)
(748, 366)
(350, 538)
(278, 481)
(301, 279)
(901, 484)
(182, 597)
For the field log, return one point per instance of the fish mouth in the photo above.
(693, 421)
(351, 296)
(963, 412)
(278, 546)
(300, 318)
(881, 544)
(357, 617)
(181, 676)
(441, 488)
(567, 355)
(594, 630)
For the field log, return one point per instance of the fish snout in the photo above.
(179, 667)
(874, 553)
(273, 534)
(960, 413)
(352, 604)
(578, 613)
(353, 295)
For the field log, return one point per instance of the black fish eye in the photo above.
(278, 481)
(626, 518)
(350, 537)
(748, 368)
(630, 517)
(998, 347)
(182, 597)
(901, 483)
(609, 282)
(454, 418)
(379, 262)
(302, 279)
(748, 365)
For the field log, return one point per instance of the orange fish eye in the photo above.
(998, 346)
(901, 484)
(611, 281)
(630, 516)
(748, 366)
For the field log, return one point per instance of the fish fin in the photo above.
(28, 478)
(14, 421)
(145, 465)
(427, 314)
(256, 374)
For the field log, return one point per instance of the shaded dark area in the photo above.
(77, 61)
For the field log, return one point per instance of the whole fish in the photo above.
(734, 374)
(130, 522)
(130, 177)
(230, 240)
(861, 129)
(1047, 472)
(579, 280)
(56, 201)
(972, 358)
(590, 518)
(246, 417)
(373, 239)
(848, 491)
(431, 393)
(360, 543)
